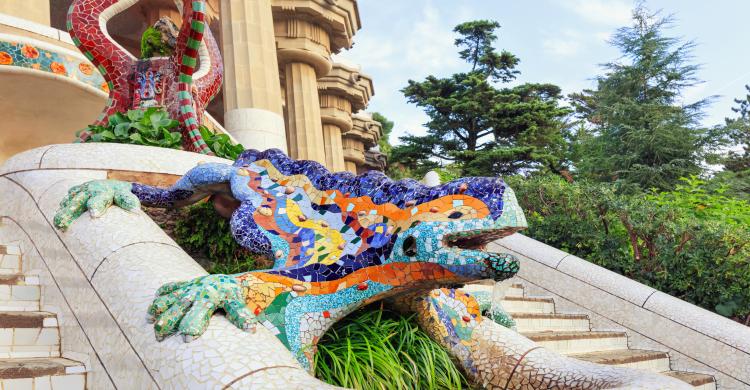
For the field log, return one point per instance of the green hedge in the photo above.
(204, 232)
(691, 243)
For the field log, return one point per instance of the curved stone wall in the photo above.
(100, 276)
(697, 339)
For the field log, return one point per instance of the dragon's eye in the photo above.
(410, 246)
(456, 215)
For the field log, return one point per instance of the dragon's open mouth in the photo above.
(477, 239)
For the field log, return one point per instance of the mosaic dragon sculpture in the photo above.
(173, 82)
(339, 242)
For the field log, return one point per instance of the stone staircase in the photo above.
(571, 334)
(30, 338)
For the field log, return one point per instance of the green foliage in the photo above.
(153, 45)
(695, 201)
(375, 349)
(220, 144)
(692, 243)
(476, 38)
(487, 130)
(204, 231)
(387, 125)
(151, 127)
(641, 134)
(736, 174)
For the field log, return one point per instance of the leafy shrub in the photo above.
(220, 144)
(151, 127)
(377, 349)
(691, 243)
(203, 231)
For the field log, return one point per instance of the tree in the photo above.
(739, 134)
(484, 129)
(387, 125)
(641, 135)
(735, 178)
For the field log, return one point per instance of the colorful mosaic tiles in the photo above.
(31, 56)
(166, 82)
(495, 357)
(339, 241)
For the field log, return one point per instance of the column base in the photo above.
(256, 128)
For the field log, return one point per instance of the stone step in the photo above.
(29, 335)
(10, 259)
(699, 381)
(528, 305)
(655, 361)
(515, 290)
(42, 374)
(536, 322)
(578, 342)
(19, 292)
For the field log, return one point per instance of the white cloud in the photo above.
(429, 46)
(370, 53)
(615, 13)
(564, 44)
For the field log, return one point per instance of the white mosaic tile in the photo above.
(120, 157)
(29, 159)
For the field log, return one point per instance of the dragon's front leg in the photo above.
(297, 312)
(98, 195)
(186, 307)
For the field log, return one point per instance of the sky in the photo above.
(558, 41)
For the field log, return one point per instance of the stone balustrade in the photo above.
(697, 340)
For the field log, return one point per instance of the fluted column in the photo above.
(305, 131)
(334, 148)
(33, 10)
(307, 32)
(343, 90)
(252, 95)
(354, 153)
(364, 135)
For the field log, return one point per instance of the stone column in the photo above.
(354, 153)
(364, 135)
(252, 96)
(342, 91)
(307, 32)
(303, 113)
(32, 10)
(334, 147)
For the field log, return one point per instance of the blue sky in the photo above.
(558, 41)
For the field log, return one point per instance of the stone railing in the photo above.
(697, 339)
(100, 276)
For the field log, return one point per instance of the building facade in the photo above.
(282, 88)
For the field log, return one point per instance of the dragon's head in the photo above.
(455, 228)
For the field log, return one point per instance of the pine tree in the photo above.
(484, 129)
(640, 134)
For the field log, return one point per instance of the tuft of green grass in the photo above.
(379, 349)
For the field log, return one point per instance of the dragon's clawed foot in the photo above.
(187, 307)
(96, 196)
